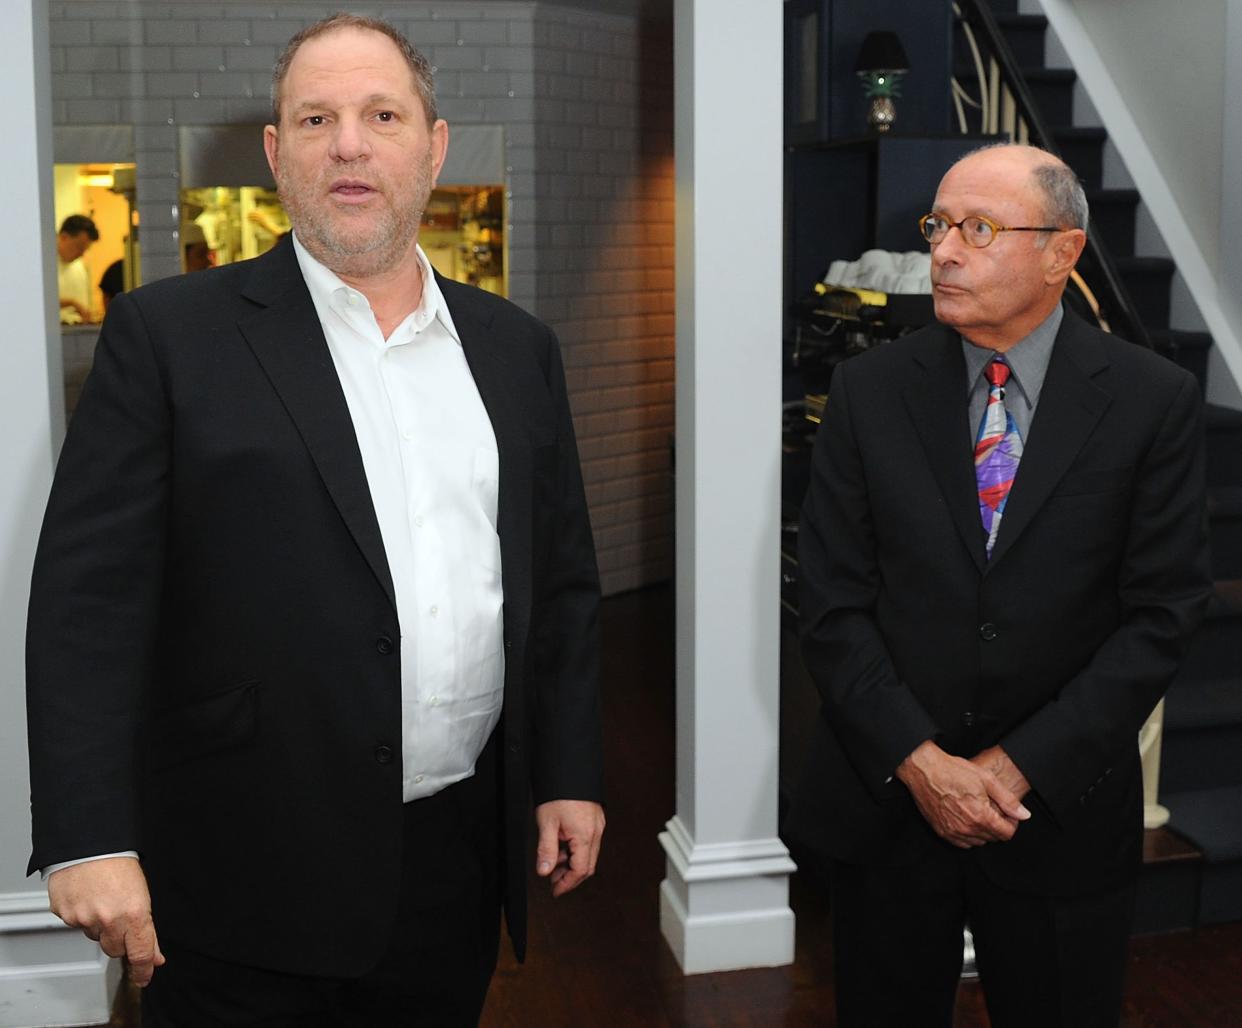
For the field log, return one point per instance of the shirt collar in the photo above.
(324, 286)
(1027, 359)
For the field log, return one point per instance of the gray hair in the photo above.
(420, 67)
(1065, 202)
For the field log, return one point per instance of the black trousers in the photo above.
(1044, 962)
(437, 965)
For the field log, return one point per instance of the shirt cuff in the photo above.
(52, 868)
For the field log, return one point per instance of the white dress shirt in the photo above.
(433, 470)
(431, 462)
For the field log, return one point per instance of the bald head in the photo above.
(1064, 201)
(997, 293)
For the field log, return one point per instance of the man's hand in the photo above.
(108, 900)
(966, 804)
(996, 761)
(83, 312)
(569, 838)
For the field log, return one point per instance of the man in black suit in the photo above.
(315, 604)
(987, 645)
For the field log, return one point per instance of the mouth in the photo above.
(351, 191)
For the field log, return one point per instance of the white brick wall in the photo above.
(586, 101)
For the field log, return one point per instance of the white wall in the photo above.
(48, 974)
(1168, 60)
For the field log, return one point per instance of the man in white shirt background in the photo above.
(76, 234)
(314, 612)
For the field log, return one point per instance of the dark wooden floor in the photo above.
(597, 957)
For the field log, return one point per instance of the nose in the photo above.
(349, 142)
(949, 249)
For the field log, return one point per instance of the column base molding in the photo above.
(50, 974)
(725, 906)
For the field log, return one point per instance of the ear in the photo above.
(439, 147)
(1063, 252)
(271, 148)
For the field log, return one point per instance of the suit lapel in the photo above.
(493, 377)
(1070, 406)
(288, 342)
(937, 402)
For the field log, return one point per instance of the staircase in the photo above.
(1201, 766)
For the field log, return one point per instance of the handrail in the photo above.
(977, 18)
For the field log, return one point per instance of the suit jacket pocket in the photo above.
(1093, 480)
(217, 722)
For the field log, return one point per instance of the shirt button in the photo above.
(383, 754)
(418, 779)
(434, 701)
(968, 719)
(418, 521)
(384, 645)
(987, 631)
(434, 610)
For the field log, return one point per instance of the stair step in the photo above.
(1148, 280)
(1224, 446)
(1112, 218)
(1083, 150)
(1218, 643)
(1202, 746)
(1025, 35)
(1187, 349)
(1168, 886)
(1224, 504)
(1209, 818)
(1053, 90)
(1204, 703)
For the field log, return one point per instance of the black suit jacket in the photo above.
(213, 645)
(1057, 648)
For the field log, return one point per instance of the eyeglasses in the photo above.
(976, 230)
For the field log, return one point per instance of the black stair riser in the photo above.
(1224, 457)
(1220, 893)
(1204, 758)
(1225, 543)
(1148, 284)
(1054, 96)
(1084, 152)
(1215, 648)
(1025, 36)
(1113, 221)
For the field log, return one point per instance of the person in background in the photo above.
(197, 255)
(76, 234)
(1002, 555)
(112, 282)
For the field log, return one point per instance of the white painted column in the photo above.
(49, 975)
(1231, 165)
(724, 903)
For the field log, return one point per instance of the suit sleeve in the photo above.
(568, 760)
(94, 602)
(875, 717)
(1069, 745)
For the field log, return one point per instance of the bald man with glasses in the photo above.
(1003, 554)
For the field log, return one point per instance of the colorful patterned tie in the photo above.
(998, 449)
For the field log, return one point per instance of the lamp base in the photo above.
(882, 113)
